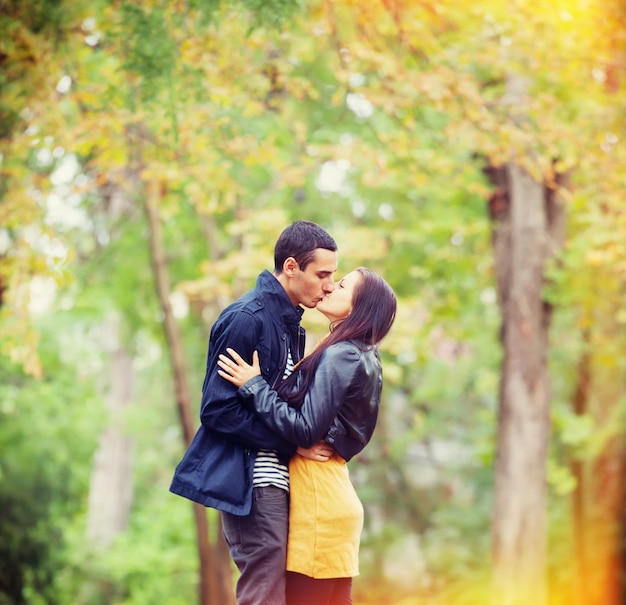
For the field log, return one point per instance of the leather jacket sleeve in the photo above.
(344, 391)
(222, 410)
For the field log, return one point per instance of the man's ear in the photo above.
(289, 266)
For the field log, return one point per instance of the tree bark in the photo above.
(579, 506)
(528, 221)
(605, 485)
(110, 490)
(213, 589)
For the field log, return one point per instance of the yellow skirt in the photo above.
(325, 519)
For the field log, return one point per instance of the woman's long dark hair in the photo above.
(373, 313)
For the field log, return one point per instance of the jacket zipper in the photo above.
(283, 362)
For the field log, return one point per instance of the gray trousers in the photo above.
(258, 546)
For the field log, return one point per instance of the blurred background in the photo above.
(151, 151)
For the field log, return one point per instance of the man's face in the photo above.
(308, 287)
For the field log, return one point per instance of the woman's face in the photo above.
(338, 304)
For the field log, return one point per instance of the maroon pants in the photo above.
(303, 590)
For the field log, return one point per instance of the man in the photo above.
(235, 463)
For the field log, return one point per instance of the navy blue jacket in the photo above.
(216, 470)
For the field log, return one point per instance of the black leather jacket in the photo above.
(341, 405)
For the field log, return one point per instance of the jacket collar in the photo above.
(276, 299)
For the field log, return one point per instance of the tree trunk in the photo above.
(110, 490)
(579, 592)
(527, 231)
(212, 587)
(605, 487)
(609, 487)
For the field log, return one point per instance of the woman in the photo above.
(334, 394)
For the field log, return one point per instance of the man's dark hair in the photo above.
(300, 240)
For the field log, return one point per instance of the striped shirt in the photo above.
(268, 470)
